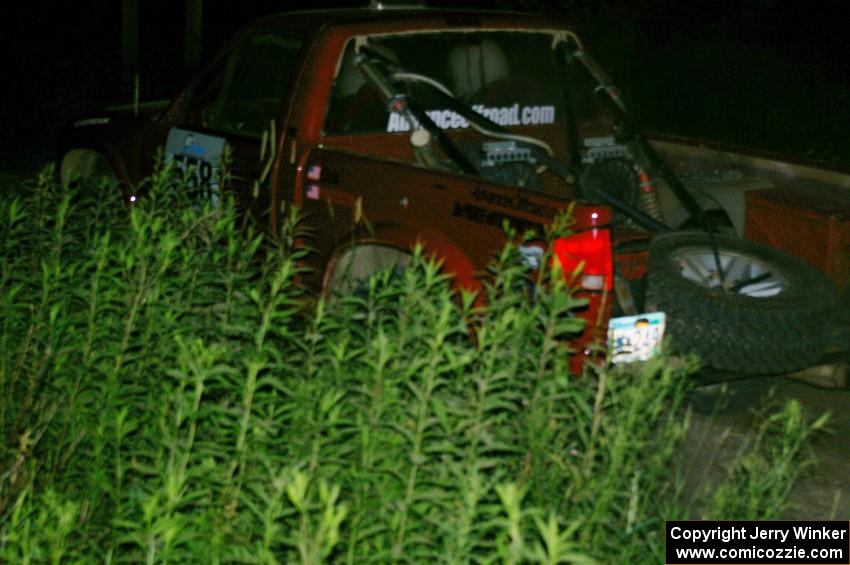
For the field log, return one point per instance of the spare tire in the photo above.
(771, 313)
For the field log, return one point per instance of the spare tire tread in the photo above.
(737, 333)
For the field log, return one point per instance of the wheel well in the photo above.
(360, 260)
(84, 164)
(402, 239)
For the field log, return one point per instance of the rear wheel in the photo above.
(766, 312)
(350, 272)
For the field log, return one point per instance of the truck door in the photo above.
(231, 116)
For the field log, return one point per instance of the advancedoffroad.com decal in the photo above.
(514, 115)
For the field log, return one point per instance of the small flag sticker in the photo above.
(313, 192)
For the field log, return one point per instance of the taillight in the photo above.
(593, 248)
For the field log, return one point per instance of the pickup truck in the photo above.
(438, 127)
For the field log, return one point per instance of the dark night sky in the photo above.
(717, 69)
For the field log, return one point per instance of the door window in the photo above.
(244, 92)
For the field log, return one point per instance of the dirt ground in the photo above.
(724, 415)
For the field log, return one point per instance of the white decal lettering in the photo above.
(534, 115)
(399, 122)
(513, 115)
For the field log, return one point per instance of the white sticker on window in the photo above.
(202, 154)
(514, 115)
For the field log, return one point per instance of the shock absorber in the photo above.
(648, 200)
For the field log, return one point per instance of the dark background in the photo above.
(769, 74)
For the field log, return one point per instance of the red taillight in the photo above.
(593, 248)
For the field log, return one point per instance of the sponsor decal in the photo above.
(492, 218)
(517, 203)
(513, 115)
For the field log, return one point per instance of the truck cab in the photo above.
(387, 129)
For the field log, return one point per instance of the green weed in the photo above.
(164, 398)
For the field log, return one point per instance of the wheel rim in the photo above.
(742, 274)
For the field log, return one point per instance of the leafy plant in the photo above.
(166, 397)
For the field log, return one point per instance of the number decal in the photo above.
(201, 154)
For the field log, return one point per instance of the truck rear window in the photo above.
(510, 77)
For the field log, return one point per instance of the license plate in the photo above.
(635, 338)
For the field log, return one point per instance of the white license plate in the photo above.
(635, 338)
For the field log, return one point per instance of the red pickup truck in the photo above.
(439, 126)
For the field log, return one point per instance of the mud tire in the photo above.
(350, 272)
(86, 166)
(733, 331)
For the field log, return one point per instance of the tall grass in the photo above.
(165, 397)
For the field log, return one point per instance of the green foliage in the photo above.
(763, 476)
(164, 397)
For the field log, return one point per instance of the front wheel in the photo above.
(761, 312)
(85, 165)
